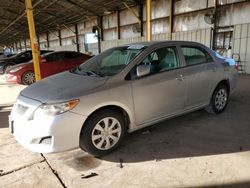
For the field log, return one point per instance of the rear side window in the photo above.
(71, 55)
(54, 57)
(44, 52)
(195, 55)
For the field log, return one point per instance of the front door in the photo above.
(163, 91)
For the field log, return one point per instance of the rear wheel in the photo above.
(28, 78)
(219, 100)
(103, 132)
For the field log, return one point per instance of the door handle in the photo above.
(180, 77)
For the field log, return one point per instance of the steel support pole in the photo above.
(118, 24)
(33, 42)
(216, 20)
(171, 7)
(148, 20)
(77, 39)
(60, 37)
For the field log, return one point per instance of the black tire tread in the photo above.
(85, 135)
(211, 108)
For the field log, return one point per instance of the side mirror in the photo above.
(142, 70)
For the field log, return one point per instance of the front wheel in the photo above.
(103, 132)
(28, 78)
(219, 100)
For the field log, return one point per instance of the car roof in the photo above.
(174, 42)
(56, 52)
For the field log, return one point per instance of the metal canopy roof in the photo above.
(50, 15)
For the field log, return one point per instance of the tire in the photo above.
(96, 138)
(28, 78)
(219, 100)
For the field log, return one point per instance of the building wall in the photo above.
(241, 41)
(189, 24)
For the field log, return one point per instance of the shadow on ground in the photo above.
(191, 135)
(194, 134)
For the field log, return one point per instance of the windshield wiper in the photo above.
(78, 70)
(93, 73)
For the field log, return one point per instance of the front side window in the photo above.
(162, 59)
(54, 57)
(109, 62)
(195, 55)
(71, 55)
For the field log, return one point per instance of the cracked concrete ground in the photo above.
(194, 150)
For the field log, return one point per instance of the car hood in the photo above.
(62, 87)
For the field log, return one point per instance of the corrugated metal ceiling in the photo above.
(50, 15)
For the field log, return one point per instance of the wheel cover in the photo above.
(29, 78)
(106, 133)
(221, 99)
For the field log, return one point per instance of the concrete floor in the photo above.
(8, 92)
(194, 150)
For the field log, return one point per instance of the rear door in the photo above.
(53, 64)
(200, 73)
(163, 91)
(71, 60)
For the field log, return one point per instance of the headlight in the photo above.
(55, 109)
(15, 69)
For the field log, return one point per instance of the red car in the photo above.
(50, 63)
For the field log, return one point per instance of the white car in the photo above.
(123, 89)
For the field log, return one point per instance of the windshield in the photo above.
(109, 62)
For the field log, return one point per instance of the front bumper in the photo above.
(46, 134)
(12, 78)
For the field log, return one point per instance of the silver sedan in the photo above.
(120, 90)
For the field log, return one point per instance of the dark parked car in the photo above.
(50, 63)
(21, 57)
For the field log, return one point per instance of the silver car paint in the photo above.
(146, 100)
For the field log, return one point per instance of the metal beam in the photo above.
(38, 41)
(33, 41)
(47, 39)
(19, 17)
(215, 22)
(101, 27)
(60, 37)
(81, 7)
(99, 22)
(20, 45)
(148, 20)
(77, 40)
(25, 44)
(118, 29)
(171, 15)
(132, 11)
(141, 18)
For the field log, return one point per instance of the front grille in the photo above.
(46, 140)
